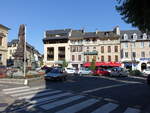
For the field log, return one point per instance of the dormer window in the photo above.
(125, 37)
(134, 36)
(144, 36)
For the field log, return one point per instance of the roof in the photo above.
(15, 41)
(60, 31)
(54, 38)
(4, 27)
(90, 34)
(130, 34)
(76, 34)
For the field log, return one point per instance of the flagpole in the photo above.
(25, 54)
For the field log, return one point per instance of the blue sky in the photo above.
(41, 15)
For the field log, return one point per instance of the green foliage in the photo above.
(93, 66)
(136, 12)
(64, 64)
(135, 73)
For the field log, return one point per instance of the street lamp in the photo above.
(132, 55)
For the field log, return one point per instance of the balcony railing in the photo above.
(91, 53)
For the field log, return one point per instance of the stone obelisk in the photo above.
(19, 54)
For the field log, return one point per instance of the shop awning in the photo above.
(87, 64)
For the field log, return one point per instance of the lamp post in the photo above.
(132, 55)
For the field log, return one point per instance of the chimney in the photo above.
(117, 30)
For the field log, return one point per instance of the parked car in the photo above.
(101, 72)
(3, 71)
(118, 72)
(70, 70)
(56, 74)
(146, 71)
(148, 79)
(83, 71)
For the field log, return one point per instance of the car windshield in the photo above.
(56, 71)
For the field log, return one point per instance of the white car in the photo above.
(119, 72)
(146, 71)
(70, 70)
(84, 71)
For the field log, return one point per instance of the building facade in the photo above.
(135, 49)
(78, 47)
(33, 55)
(3, 44)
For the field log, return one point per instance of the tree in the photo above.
(92, 67)
(136, 12)
(64, 64)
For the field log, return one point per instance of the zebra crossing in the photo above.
(58, 101)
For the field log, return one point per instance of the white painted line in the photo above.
(49, 98)
(77, 107)
(39, 95)
(61, 102)
(23, 90)
(106, 108)
(31, 92)
(132, 110)
(101, 88)
(16, 88)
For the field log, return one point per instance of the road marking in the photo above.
(49, 98)
(61, 102)
(132, 110)
(31, 92)
(39, 94)
(22, 90)
(106, 108)
(77, 107)
(101, 88)
(16, 88)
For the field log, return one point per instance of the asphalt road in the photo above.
(125, 92)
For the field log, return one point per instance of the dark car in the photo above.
(148, 79)
(3, 71)
(56, 74)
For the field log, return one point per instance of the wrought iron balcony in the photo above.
(91, 53)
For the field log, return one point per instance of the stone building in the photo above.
(78, 47)
(135, 49)
(3, 44)
(33, 55)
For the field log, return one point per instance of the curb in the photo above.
(19, 81)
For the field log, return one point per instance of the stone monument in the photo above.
(19, 54)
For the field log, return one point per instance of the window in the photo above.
(126, 54)
(109, 58)
(125, 45)
(0, 41)
(116, 48)
(116, 58)
(87, 58)
(94, 57)
(61, 53)
(79, 57)
(133, 54)
(80, 49)
(50, 53)
(87, 47)
(134, 36)
(94, 47)
(0, 57)
(10, 51)
(142, 44)
(102, 49)
(125, 36)
(109, 49)
(142, 54)
(73, 58)
(102, 58)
